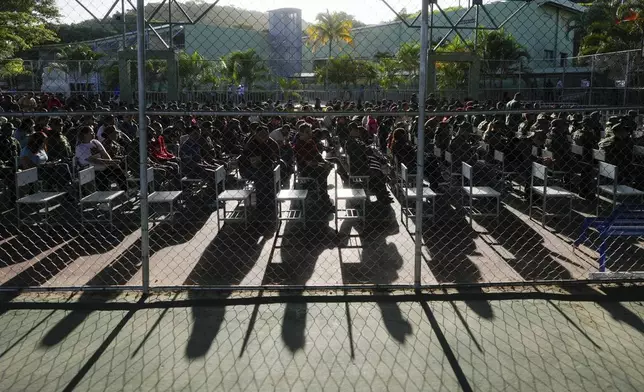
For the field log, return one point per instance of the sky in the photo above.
(367, 11)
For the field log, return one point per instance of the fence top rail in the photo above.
(252, 113)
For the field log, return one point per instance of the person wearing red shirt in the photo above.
(53, 102)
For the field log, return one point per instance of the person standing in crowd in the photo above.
(513, 120)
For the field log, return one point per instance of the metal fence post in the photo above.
(143, 147)
(420, 158)
(592, 81)
(626, 71)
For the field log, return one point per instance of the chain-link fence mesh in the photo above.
(281, 147)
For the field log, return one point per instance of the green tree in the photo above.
(12, 68)
(345, 71)
(79, 62)
(408, 56)
(195, 70)
(289, 88)
(23, 24)
(389, 75)
(501, 53)
(452, 76)
(244, 67)
(355, 22)
(110, 76)
(609, 26)
(156, 74)
(328, 29)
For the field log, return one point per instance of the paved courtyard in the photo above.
(472, 341)
(192, 251)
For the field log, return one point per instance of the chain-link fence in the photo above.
(264, 146)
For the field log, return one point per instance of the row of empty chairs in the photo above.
(89, 198)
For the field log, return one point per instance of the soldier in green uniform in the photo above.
(618, 147)
(9, 153)
(586, 137)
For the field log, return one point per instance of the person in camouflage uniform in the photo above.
(585, 136)
(9, 153)
(596, 125)
(557, 142)
(58, 147)
(526, 124)
(618, 149)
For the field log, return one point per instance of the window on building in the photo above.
(549, 54)
(563, 59)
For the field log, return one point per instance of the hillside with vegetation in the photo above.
(225, 16)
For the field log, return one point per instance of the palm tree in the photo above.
(389, 73)
(195, 70)
(409, 58)
(156, 73)
(78, 62)
(452, 76)
(330, 28)
(289, 87)
(245, 66)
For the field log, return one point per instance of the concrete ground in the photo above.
(472, 341)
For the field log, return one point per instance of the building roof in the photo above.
(564, 4)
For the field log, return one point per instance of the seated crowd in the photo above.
(195, 146)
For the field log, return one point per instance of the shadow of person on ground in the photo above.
(451, 245)
(301, 247)
(531, 258)
(225, 262)
(380, 263)
(23, 243)
(92, 241)
(117, 273)
(613, 304)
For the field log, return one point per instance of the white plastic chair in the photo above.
(450, 166)
(160, 198)
(478, 192)
(96, 198)
(288, 195)
(30, 178)
(359, 180)
(540, 172)
(614, 190)
(241, 196)
(348, 195)
(409, 191)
